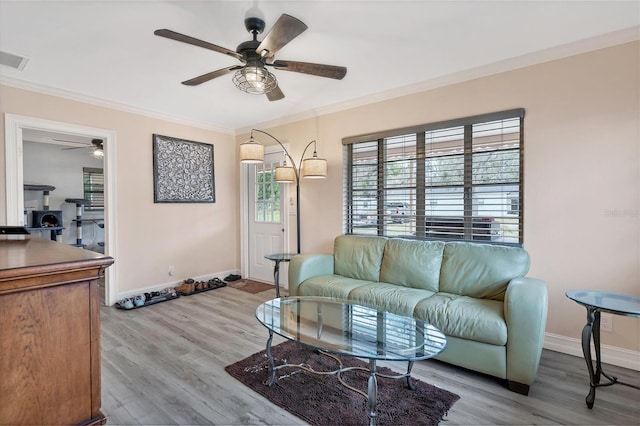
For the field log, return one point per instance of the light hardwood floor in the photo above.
(164, 364)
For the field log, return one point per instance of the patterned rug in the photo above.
(251, 286)
(322, 400)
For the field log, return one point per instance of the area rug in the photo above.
(251, 286)
(322, 400)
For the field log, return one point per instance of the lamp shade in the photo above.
(285, 174)
(314, 168)
(251, 152)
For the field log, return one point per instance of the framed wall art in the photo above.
(183, 171)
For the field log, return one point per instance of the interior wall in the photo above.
(198, 239)
(49, 164)
(581, 171)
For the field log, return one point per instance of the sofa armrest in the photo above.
(525, 311)
(305, 266)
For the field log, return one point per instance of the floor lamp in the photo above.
(310, 168)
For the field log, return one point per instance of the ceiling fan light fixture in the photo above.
(98, 153)
(255, 80)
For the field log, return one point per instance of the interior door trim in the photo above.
(244, 210)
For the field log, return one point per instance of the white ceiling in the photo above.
(105, 51)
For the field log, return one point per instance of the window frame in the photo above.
(93, 185)
(420, 186)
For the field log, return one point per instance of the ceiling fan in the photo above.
(256, 56)
(97, 146)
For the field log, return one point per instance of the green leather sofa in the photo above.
(477, 294)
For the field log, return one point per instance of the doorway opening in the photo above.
(26, 135)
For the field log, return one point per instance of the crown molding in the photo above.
(582, 46)
(65, 94)
(538, 57)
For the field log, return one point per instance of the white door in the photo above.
(266, 218)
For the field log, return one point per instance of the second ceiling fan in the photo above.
(253, 76)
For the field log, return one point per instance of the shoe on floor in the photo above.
(232, 277)
(216, 283)
(125, 303)
(138, 301)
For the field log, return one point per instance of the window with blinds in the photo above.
(93, 182)
(454, 180)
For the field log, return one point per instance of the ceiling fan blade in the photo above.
(329, 71)
(74, 144)
(196, 42)
(275, 94)
(284, 30)
(210, 75)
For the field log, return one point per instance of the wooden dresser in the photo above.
(49, 332)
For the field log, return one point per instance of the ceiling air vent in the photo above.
(13, 61)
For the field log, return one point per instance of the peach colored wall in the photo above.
(582, 170)
(199, 239)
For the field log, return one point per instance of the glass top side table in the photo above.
(277, 258)
(596, 302)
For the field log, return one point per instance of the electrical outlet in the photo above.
(606, 322)
(172, 270)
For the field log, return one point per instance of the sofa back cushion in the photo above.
(358, 257)
(481, 270)
(411, 263)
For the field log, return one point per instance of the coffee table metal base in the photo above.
(372, 385)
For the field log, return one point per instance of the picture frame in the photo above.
(183, 171)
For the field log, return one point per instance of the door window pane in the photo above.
(267, 206)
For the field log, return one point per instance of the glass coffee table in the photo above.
(346, 328)
(596, 302)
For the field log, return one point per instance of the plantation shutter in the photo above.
(454, 180)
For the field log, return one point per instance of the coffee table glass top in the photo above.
(345, 328)
(620, 304)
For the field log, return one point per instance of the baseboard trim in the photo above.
(610, 354)
(158, 287)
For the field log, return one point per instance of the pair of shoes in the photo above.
(185, 288)
(124, 304)
(216, 283)
(168, 293)
(232, 277)
(139, 300)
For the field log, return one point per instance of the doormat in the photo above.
(251, 286)
(322, 400)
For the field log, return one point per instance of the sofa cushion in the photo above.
(481, 270)
(358, 257)
(481, 320)
(389, 297)
(412, 263)
(334, 286)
